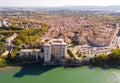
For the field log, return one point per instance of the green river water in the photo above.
(37, 74)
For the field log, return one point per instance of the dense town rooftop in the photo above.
(54, 42)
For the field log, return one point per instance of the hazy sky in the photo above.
(55, 3)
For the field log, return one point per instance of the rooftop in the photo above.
(57, 42)
(30, 50)
(54, 42)
(12, 36)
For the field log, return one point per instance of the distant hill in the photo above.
(93, 8)
(84, 8)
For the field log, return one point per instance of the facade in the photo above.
(88, 50)
(56, 48)
(33, 54)
(47, 52)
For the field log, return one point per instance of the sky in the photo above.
(57, 3)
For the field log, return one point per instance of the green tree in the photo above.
(17, 42)
(100, 60)
(114, 57)
(79, 54)
(13, 52)
(116, 52)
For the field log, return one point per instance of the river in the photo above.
(34, 73)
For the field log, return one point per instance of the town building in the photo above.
(11, 38)
(33, 54)
(89, 50)
(4, 23)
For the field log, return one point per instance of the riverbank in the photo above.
(32, 65)
(8, 68)
(11, 67)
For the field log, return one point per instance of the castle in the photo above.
(51, 49)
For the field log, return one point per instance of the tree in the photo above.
(2, 47)
(100, 60)
(30, 35)
(37, 43)
(17, 42)
(114, 57)
(13, 52)
(116, 52)
(79, 54)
